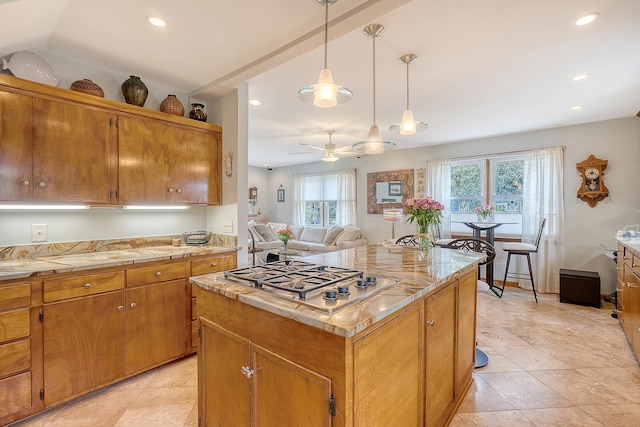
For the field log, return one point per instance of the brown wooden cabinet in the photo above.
(20, 352)
(261, 387)
(58, 145)
(628, 288)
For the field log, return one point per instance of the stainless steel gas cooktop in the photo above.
(322, 287)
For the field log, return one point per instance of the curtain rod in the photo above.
(502, 153)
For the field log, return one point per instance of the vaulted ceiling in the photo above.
(484, 68)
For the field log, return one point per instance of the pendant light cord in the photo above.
(374, 79)
(326, 31)
(407, 85)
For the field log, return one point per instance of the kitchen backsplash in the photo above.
(8, 253)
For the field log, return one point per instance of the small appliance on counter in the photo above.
(196, 237)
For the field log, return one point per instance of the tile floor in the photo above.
(550, 364)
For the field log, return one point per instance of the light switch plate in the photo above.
(227, 227)
(39, 233)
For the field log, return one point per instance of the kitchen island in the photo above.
(403, 356)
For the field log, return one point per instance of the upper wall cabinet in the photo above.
(58, 145)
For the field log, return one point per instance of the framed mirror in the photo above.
(388, 189)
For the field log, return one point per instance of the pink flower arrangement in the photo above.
(285, 235)
(424, 211)
(484, 211)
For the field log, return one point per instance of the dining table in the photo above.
(488, 228)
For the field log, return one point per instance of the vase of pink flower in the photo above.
(285, 235)
(485, 213)
(425, 212)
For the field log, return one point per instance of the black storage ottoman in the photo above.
(580, 287)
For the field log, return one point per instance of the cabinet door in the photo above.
(466, 342)
(223, 389)
(286, 394)
(83, 345)
(72, 160)
(155, 325)
(387, 373)
(16, 146)
(163, 163)
(440, 355)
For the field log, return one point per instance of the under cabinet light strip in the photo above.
(156, 207)
(43, 207)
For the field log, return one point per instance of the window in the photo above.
(321, 199)
(494, 180)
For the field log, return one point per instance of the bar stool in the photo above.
(525, 249)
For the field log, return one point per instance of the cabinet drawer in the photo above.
(14, 324)
(159, 273)
(15, 357)
(56, 290)
(15, 394)
(213, 264)
(15, 296)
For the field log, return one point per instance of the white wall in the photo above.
(259, 178)
(586, 229)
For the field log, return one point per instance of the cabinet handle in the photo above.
(133, 305)
(87, 285)
(247, 371)
(25, 182)
(431, 323)
(214, 264)
(42, 184)
(170, 190)
(158, 273)
(179, 190)
(631, 285)
(120, 308)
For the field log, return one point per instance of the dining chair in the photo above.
(437, 239)
(525, 249)
(409, 240)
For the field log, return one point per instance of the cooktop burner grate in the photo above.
(296, 277)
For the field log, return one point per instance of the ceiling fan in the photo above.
(331, 152)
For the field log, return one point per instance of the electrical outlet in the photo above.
(39, 233)
(227, 227)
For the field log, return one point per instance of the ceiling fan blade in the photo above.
(315, 147)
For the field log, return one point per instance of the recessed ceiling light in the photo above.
(580, 77)
(255, 102)
(156, 22)
(587, 19)
(578, 107)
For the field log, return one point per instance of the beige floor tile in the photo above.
(578, 388)
(497, 337)
(623, 381)
(495, 419)
(165, 415)
(615, 415)
(481, 397)
(182, 373)
(561, 417)
(588, 355)
(192, 420)
(456, 422)
(530, 358)
(524, 391)
(497, 362)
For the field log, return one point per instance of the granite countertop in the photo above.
(49, 264)
(420, 274)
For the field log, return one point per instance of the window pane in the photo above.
(313, 213)
(466, 179)
(509, 176)
(331, 213)
(464, 205)
(509, 205)
(313, 187)
(330, 187)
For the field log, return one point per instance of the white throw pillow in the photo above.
(313, 234)
(349, 234)
(332, 233)
(256, 236)
(276, 226)
(297, 231)
(265, 232)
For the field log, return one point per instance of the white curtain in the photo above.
(346, 206)
(299, 196)
(542, 196)
(438, 186)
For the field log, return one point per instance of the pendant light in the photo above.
(408, 125)
(325, 93)
(374, 143)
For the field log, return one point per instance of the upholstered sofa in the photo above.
(307, 239)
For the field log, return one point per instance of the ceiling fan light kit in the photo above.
(325, 93)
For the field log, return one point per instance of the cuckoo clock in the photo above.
(592, 189)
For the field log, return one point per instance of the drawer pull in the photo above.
(133, 305)
(431, 323)
(214, 264)
(25, 182)
(158, 273)
(179, 190)
(42, 184)
(247, 371)
(631, 285)
(87, 285)
(120, 308)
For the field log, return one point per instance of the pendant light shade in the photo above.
(325, 93)
(374, 143)
(408, 125)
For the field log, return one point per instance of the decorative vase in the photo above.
(485, 218)
(197, 112)
(284, 248)
(87, 86)
(423, 237)
(135, 91)
(172, 105)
